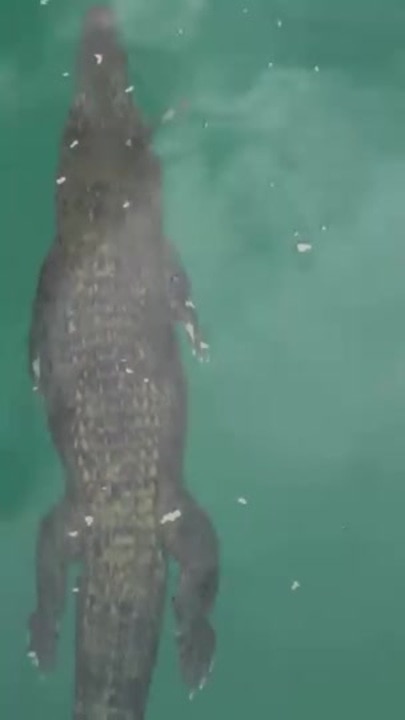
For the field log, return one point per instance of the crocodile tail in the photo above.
(117, 640)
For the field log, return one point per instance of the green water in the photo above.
(301, 410)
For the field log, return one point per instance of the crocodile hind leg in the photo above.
(190, 538)
(57, 545)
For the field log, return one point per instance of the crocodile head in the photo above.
(102, 83)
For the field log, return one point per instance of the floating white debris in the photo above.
(303, 247)
(189, 327)
(279, 23)
(129, 371)
(245, 10)
(170, 517)
(316, 68)
(146, 380)
(99, 58)
(168, 115)
(295, 585)
(74, 144)
(270, 65)
(205, 124)
(190, 304)
(73, 533)
(89, 520)
(272, 184)
(129, 89)
(126, 204)
(44, 2)
(324, 228)
(104, 487)
(75, 590)
(242, 501)
(61, 180)
(180, 31)
(128, 142)
(36, 369)
(33, 657)
(65, 74)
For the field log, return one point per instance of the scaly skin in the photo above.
(104, 356)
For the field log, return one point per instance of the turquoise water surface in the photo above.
(289, 130)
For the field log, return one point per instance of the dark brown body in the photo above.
(104, 354)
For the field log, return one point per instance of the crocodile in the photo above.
(105, 358)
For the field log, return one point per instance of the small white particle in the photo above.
(129, 89)
(304, 247)
(190, 331)
(180, 31)
(272, 184)
(279, 23)
(245, 11)
(74, 144)
(75, 590)
(104, 487)
(270, 65)
(295, 585)
(99, 58)
(33, 657)
(60, 180)
(202, 684)
(170, 517)
(65, 74)
(126, 204)
(242, 501)
(168, 115)
(205, 124)
(44, 2)
(36, 369)
(324, 228)
(89, 520)
(191, 695)
(128, 142)
(204, 352)
(73, 533)
(146, 380)
(129, 371)
(316, 68)
(190, 304)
